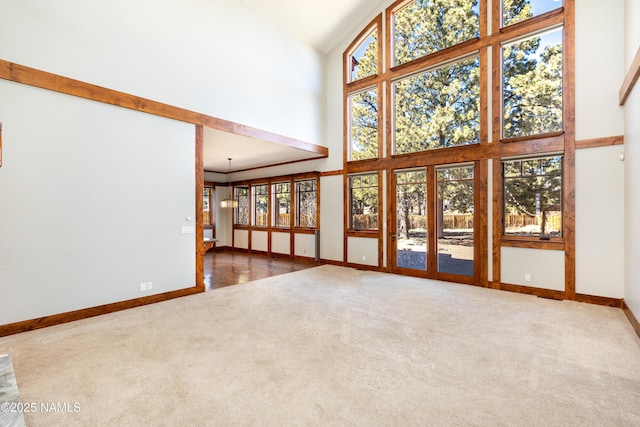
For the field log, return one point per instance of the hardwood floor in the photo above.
(226, 268)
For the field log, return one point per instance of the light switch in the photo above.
(187, 229)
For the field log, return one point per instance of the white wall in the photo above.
(362, 250)
(632, 165)
(259, 240)
(241, 239)
(600, 222)
(92, 201)
(281, 243)
(69, 160)
(218, 57)
(544, 267)
(332, 218)
(305, 245)
(599, 68)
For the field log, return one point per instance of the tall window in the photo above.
(533, 197)
(363, 201)
(363, 108)
(242, 210)
(207, 207)
(362, 60)
(532, 85)
(281, 204)
(260, 205)
(438, 108)
(307, 203)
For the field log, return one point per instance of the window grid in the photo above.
(307, 203)
(281, 204)
(242, 210)
(363, 202)
(260, 205)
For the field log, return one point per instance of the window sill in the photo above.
(304, 230)
(541, 136)
(362, 233)
(532, 243)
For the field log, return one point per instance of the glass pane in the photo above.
(426, 26)
(282, 205)
(364, 60)
(306, 193)
(532, 85)
(364, 125)
(242, 211)
(411, 220)
(533, 197)
(364, 202)
(455, 221)
(518, 10)
(206, 208)
(438, 108)
(260, 205)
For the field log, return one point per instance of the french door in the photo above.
(433, 222)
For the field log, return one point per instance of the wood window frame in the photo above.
(522, 241)
(353, 87)
(275, 206)
(253, 205)
(370, 232)
(491, 149)
(295, 203)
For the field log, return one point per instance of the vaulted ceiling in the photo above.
(321, 24)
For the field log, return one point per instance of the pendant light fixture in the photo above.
(228, 201)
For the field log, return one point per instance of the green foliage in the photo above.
(438, 108)
(364, 125)
(426, 26)
(515, 11)
(533, 187)
(532, 88)
(364, 201)
(411, 201)
(367, 63)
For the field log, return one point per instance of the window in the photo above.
(282, 204)
(532, 85)
(242, 210)
(363, 62)
(363, 202)
(260, 205)
(423, 27)
(307, 203)
(207, 207)
(363, 108)
(514, 11)
(438, 108)
(533, 197)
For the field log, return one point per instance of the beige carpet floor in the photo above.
(341, 347)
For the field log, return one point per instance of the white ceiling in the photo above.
(319, 23)
(246, 152)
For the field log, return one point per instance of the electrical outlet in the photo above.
(364, 257)
(149, 286)
(143, 287)
(527, 277)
